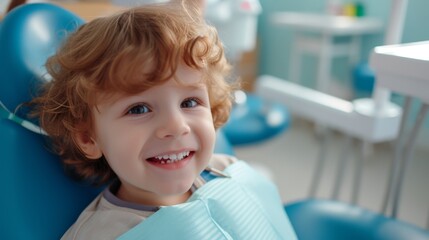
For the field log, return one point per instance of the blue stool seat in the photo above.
(332, 220)
(255, 120)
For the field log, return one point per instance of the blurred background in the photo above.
(291, 157)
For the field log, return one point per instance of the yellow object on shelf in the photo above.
(349, 10)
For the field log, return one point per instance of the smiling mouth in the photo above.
(171, 158)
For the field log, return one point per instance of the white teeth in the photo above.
(172, 157)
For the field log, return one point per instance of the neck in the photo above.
(151, 199)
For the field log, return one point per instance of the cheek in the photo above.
(122, 152)
(116, 141)
(208, 133)
(212, 134)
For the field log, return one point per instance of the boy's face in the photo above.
(158, 141)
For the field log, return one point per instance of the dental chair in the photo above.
(39, 200)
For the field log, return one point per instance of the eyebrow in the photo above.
(199, 85)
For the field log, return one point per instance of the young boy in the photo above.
(135, 100)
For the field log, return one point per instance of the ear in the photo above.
(88, 145)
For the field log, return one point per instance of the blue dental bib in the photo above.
(242, 206)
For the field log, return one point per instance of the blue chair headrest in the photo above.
(28, 36)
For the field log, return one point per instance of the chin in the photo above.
(177, 189)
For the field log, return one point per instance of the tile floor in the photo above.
(290, 158)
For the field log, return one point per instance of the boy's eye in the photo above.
(189, 103)
(138, 109)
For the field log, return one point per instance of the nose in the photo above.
(172, 126)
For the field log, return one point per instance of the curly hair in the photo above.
(111, 55)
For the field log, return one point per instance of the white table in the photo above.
(327, 28)
(403, 68)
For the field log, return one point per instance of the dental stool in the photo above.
(254, 120)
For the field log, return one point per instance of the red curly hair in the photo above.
(112, 55)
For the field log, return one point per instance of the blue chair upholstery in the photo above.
(39, 200)
(332, 220)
